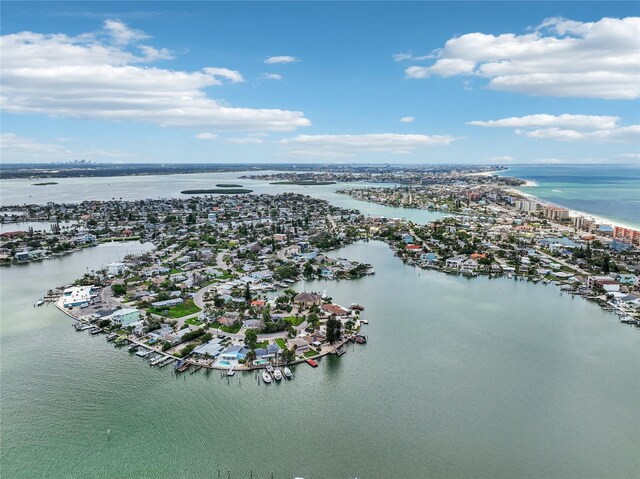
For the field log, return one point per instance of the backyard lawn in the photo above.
(293, 321)
(179, 310)
(228, 329)
(281, 343)
(193, 322)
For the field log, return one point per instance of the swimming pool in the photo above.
(224, 363)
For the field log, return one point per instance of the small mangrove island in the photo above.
(45, 183)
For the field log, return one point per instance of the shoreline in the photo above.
(213, 366)
(574, 213)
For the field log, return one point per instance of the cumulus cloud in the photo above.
(121, 34)
(543, 120)
(206, 136)
(245, 140)
(626, 134)
(281, 59)
(587, 128)
(19, 149)
(408, 56)
(270, 76)
(559, 58)
(342, 146)
(408, 119)
(106, 76)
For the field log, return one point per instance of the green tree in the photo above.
(313, 320)
(118, 289)
(250, 338)
(334, 327)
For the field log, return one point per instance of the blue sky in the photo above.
(321, 82)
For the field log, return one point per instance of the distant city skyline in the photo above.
(418, 82)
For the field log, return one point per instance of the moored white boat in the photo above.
(277, 374)
(287, 373)
(230, 372)
(266, 377)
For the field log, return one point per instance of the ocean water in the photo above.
(461, 378)
(609, 191)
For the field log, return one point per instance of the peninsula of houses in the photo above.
(216, 291)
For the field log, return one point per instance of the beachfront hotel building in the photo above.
(555, 212)
(629, 234)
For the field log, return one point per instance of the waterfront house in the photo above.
(299, 345)
(454, 262)
(77, 295)
(211, 348)
(307, 299)
(116, 269)
(234, 353)
(335, 309)
(125, 316)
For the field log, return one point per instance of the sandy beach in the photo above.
(572, 213)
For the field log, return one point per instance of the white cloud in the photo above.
(626, 134)
(20, 149)
(245, 140)
(543, 120)
(231, 75)
(281, 59)
(89, 77)
(270, 76)
(408, 119)
(586, 128)
(341, 146)
(121, 34)
(559, 58)
(401, 57)
(206, 136)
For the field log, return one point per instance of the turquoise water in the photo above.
(610, 191)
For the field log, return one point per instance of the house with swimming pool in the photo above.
(234, 353)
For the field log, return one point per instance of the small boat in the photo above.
(360, 339)
(112, 336)
(364, 321)
(340, 351)
(266, 377)
(95, 331)
(277, 374)
(132, 348)
(287, 373)
(142, 353)
(312, 363)
(231, 372)
(357, 307)
(269, 368)
(40, 302)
